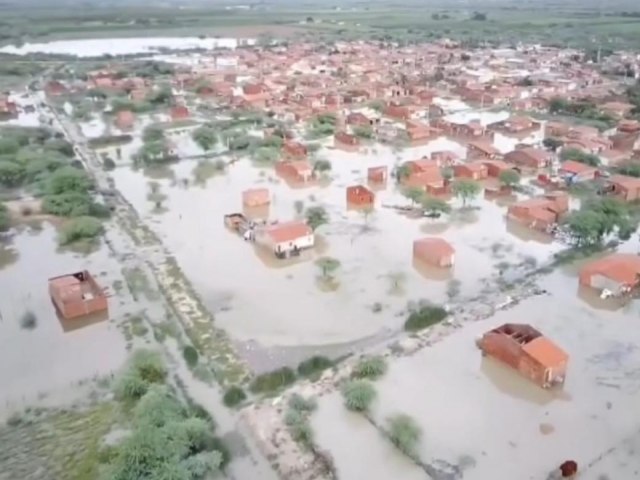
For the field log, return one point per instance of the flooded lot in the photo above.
(478, 412)
(234, 278)
(55, 354)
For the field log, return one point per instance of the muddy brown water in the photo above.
(258, 298)
(474, 407)
(55, 354)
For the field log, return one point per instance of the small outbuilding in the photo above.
(77, 294)
(358, 195)
(526, 350)
(472, 170)
(377, 174)
(256, 197)
(434, 251)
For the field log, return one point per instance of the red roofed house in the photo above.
(419, 166)
(473, 170)
(434, 251)
(397, 112)
(482, 150)
(125, 120)
(77, 294)
(256, 197)
(573, 171)
(445, 158)
(286, 238)
(298, 170)
(526, 350)
(343, 139)
(377, 174)
(431, 181)
(540, 213)
(54, 88)
(358, 195)
(529, 157)
(7, 107)
(294, 150)
(358, 119)
(496, 167)
(618, 273)
(179, 112)
(520, 124)
(625, 187)
(629, 126)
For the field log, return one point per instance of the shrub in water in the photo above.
(190, 355)
(370, 367)
(358, 395)
(272, 381)
(234, 396)
(314, 365)
(424, 317)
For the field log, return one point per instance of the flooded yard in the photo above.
(377, 272)
(483, 418)
(54, 354)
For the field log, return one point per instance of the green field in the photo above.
(562, 23)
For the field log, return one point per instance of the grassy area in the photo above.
(566, 23)
(59, 443)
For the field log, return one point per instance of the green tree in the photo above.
(9, 145)
(358, 395)
(11, 174)
(206, 137)
(153, 134)
(465, 189)
(273, 381)
(404, 433)
(234, 396)
(363, 131)
(81, 228)
(67, 180)
(316, 217)
(266, 155)
(552, 144)
(5, 219)
(328, 266)
(432, 205)
(314, 366)
(321, 166)
(69, 204)
(414, 194)
(403, 172)
(509, 178)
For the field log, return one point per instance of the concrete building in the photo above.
(77, 294)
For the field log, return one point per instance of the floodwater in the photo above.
(123, 46)
(476, 410)
(56, 354)
(256, 297)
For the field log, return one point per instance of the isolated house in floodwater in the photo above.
(287, 238)
(619, 273)
(526, 350)
(434, 251)
(77, 294)
(256, 197)
(358, 195)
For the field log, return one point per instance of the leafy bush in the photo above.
(145, 368)
(190, 355)
(69, 204)
(79, 229)
(424, 317)
(300, 404)
(358, 395)
(404, 433)
(272, 381)
(302, 433)
(234, 396)
(313, 366)
(11, 174)
(370, 367)
(316, 216)
(205, 136)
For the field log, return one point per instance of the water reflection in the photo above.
(70, 325)
(526, 234)
(432, 273)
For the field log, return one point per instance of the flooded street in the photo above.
(375, 251)
(512, 428)
(54, 354)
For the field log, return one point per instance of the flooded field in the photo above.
(53, 354)
(123, 46)
(235, 279)
(482, 418)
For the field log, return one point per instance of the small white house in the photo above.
(286, 238)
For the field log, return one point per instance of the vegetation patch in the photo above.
(371, 367)
(314, 366)
(273, 381)
(423, 317)
(358, 395)
(234, 396)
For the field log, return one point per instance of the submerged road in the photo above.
(248, 462)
